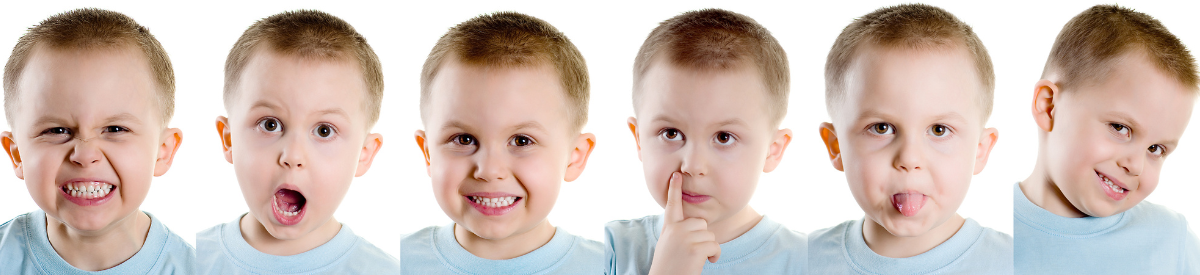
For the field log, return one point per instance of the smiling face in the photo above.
(1109, 141)
(297, 134)
(87, 132)
(498, 144)
(909, 131)
(710, 125)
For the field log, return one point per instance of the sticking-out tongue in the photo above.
(908, 203)
(289, 200)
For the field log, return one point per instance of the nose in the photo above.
(909, 158)
(491, 165)
(695, 162)
(86, 153)
(295, 152)
(1133, 163)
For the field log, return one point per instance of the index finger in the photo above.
(674, 208)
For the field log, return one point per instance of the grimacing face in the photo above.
(1109, 140)
(87, 135)
(296, 136)
(909, 135)
(496, 163)
(711, 126)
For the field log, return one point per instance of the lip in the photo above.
(909, 202)
(84, 201)
(492, 211)
(279, 216)
(694, 198)
(1108, 191)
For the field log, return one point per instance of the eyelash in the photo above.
(458, 139)
(1117, 128)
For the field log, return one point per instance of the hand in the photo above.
(685, 242)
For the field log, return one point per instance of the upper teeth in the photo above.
(1112, 186)
(494, 202)
(88, 190)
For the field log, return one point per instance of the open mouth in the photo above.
(908, 203)
(493, 205)
(87, 193)
(1114, 190)
(288, 206)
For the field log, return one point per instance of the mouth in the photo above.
(288, 206)
(908, 203)
(694, 198)
(493, 204)
(87, 192)
(1113, 188)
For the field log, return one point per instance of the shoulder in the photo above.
(992, 240)
(423, 236)
(829, 234)
(632, 224)
(13, 228)
(632, 231)
(366, 254)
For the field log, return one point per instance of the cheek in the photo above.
(657, 167)
(867, 167)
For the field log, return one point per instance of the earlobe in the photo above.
(829, 137)
(168, 147)
(579, 155)
(370, 148)
(783, 137)
(987, 141)
(420, 137)
(1045, 93)
(226, 137)
(14, 154)
(632, 121)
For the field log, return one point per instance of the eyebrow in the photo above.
(1133, 124)
(524, 125)
(941, 117)
(127, 117)
(272, 106)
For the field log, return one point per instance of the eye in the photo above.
(671, 134)
(521, 140)
(882, 129)
(1157, 150)
(57, 131)
(1121, 129)
(324, 130)
(463, 139)
(270, 124)
(724, 138)
(939, 130)
(115, 129)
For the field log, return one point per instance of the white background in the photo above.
(395, 196)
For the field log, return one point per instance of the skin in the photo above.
(910, 122)
(1124, 127)
(303, 98)
(90, 114)
(709, 129)
(481, 136)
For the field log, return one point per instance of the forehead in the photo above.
(301, 84)
(703, 95)
(495, 96)
(1138, 90)
(83, 81)
(912, 83)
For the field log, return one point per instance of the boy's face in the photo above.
(498, 145)
(1108, 141)
(713, 127)
(296, 135)
(909, 135)
(87, 120)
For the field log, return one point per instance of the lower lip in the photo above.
(493, 211)
(88, 202)
(1108, 191)
(287, 220)
(695, 199)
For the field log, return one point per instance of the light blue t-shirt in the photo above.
(972, 250)
(25, 249)
(222, 250)
(433, 250)
(1146, 239)
(768, 248)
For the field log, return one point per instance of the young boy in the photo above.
(302, 90)
(1112, 104)
(909, 90)
(710, 88)
(497, 164)
(88, 94)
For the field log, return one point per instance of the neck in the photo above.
(734, 226)
(507, 248)
(262, 240)
(885, 244)
(116, 243)
(1044, 192)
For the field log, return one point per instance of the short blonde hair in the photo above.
(1088, 45)
(510, 39)
(91, 29)
(913, 26)
(308, 34)
(721, 40)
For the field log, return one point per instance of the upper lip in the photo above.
(287, 186)
(690, 193)
(1115, 181)
(490, 194)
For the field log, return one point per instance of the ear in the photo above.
(168, 145)
(987, 140)
(829, 137)
(1044, 94)
(369, 150)
(10, 147)
(226, 138)
(579, 155)
(420, 135)
(783, 137)
(632, 121)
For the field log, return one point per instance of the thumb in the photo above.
(674, 209)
